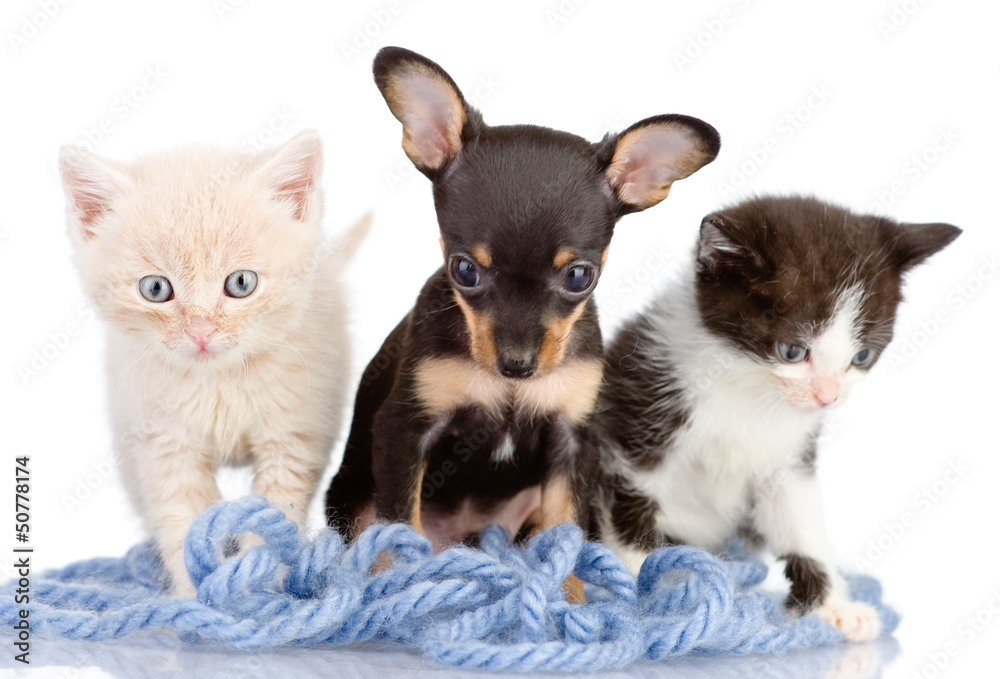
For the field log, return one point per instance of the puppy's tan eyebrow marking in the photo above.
(482, 255)
(563, 257)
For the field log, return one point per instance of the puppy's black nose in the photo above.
(519, 364)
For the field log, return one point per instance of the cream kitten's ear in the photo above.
(294, 173)
(91, 185)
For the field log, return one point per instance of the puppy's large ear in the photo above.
(647, 158)
(427, 102)
(91, 185)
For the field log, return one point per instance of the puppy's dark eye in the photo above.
(464, 272)
(579, 278)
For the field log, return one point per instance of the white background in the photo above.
(894, 78)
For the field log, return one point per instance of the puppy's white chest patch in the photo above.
(446, 384)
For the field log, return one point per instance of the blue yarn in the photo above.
(499, 607)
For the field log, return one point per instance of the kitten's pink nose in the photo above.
(200, 330)
(827, 391)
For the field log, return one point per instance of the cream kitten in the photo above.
(226, 323)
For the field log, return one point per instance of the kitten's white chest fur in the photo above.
(790, 302)
(737, 437)
(216, 406)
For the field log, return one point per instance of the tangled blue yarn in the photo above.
(498, 607)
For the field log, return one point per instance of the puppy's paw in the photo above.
(383, 562)
(573, 590)
(856, 620)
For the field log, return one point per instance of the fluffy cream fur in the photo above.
(267, 386)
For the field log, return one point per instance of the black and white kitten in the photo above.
(713, 399)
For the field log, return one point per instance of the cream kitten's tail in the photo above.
(349, 243)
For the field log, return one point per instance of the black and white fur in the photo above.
(706, 434)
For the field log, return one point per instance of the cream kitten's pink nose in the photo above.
(200, 330)
(827, 391)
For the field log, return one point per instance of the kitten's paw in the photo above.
(856, 620)
(632, 557)
(248, 541)
(183, 589)
(180, 583)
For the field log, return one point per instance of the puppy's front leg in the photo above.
(398, 464)
(791, 519)
(570, 459)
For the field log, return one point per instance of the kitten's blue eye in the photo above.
(241, 283)
(156, 289)
(465, 272)
(792, 353)
(863, 358)
(579, 278)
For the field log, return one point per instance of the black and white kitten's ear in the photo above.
(294, 173)
(91, 185)
(913, 243)
(720, 246)
(648, 157)
(427, 102)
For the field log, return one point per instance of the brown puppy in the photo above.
(477, 408)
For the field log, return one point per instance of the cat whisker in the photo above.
(130, 370)
(302, 358)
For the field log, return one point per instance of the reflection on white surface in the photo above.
(158, 656)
